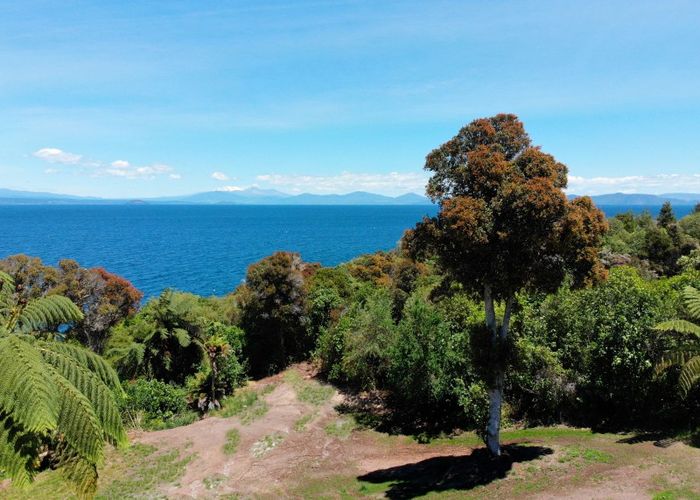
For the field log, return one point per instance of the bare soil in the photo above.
(314, 461)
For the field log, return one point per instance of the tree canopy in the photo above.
(505, 225)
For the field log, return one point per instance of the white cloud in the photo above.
(219, 176)
(51, 171)
(648, 184)
(392, 183)
(55, 155)
(96, 168)
(230, 188)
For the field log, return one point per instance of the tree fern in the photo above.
(687, 355)
(51, 392)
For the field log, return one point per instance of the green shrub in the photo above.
(155, 399)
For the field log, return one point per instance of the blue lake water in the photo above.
(205, 249)
(200, 249)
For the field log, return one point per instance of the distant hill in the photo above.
(250, 196)
(634, 199)
(257, 196)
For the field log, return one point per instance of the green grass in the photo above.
(140, 470)
(246, 404)
(344, 487)
(134, 472)
(341, 428)
(308, 391)
(300, 425)
(470, 439)
(266, 444)
(213, 482)
(677, 494)
(233, 439)
(589, 455)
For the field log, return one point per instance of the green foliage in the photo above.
(430, 373)
(273, 303)
(602, 339)
(355, 350)
(686, 353)
(155, 399)
(103, 298)
(233, 439)
(163, 341)
(52, 395)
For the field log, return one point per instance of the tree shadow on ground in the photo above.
(662, 439)
(455, 472)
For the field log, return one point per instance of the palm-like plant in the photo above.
(687, 353)
(163, 341)
(53, 396)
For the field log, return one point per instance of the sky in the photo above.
(139, 99)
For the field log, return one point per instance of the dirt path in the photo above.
(279, 457)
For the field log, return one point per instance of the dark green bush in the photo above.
(155, 399)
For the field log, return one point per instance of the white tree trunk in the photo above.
(498, 337)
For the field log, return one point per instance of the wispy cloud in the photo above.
(229, 188)
(651, 184)
(219, 176)
(55, 155)
(391, 183)
(97, 168)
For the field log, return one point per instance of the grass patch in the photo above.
(341, 428)
(233, 439)
(134, 472)
(245, 404)
(300, 425)
(344, 487)
(213, 482)
(140, 470)
(308, 391)
(677, 494)
(589, 455)
(178, 420)
(470, 439)
(266, 444)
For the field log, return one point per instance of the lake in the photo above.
(196, 248)
(205, 249)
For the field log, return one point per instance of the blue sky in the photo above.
(136, 99)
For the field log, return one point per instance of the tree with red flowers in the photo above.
(505, 225)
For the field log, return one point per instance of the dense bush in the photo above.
(156, 400)
(273, 305)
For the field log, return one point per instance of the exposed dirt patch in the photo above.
(301, 447)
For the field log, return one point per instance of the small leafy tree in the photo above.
(687, 353)
(505, 225)
(53, 396)
(273, 304)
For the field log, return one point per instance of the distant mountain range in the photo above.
(257, 196)
(250, 196)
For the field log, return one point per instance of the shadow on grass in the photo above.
(455, 472)
(663, 439)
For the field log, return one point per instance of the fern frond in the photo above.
(18, 451)
(47, 312)
(77, 421)
(27, 390)
(87, 359)
(127, 359)
(675, 357)
(679, 326)
(689, 374)
(691, 296)
(182, 336)
(80, 473)
(92, 387)
(7, 287)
